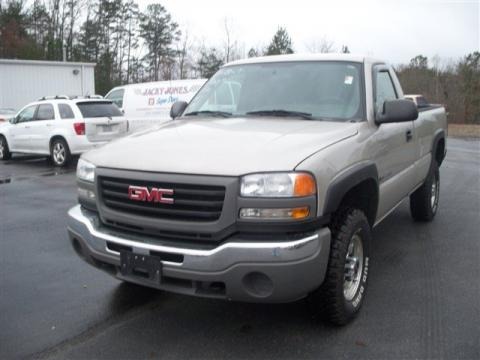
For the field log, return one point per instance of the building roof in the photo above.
(43, 62)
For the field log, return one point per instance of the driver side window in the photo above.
(27, 114)
(384, 91)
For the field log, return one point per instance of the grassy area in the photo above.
(464, 130)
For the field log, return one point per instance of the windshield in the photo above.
(95, 109)
(314, 90)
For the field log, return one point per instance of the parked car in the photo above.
(272, 199)
(61, 127)
(6, 114)
(147, 104)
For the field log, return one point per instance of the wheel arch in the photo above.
(439, 149)
(358, 187)
(55, 137)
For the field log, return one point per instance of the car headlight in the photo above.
(85, 170)
(288, 184)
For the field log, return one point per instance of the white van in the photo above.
(149, 103)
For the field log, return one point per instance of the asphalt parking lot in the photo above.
(423, 298)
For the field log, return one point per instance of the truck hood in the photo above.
(221, 146)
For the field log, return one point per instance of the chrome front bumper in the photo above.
(270, 271)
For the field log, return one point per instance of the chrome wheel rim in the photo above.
(58, 153)
(2, 149)
(353, 267)
(434, 191)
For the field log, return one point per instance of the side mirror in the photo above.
(177, 109)
(399, 110)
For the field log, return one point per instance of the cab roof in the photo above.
(306, 57)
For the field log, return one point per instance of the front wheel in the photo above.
(424, 201)
(60, 153)
(343, 291)
(5, 153)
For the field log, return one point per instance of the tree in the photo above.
(322, 46)
(131, 17)
(252, 53)
(13, 29)
(183, 54)
(469, 71)
(209, 62)
(419, 62)
(159, 33)
(280, 44)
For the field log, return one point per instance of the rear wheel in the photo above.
(342, 293)
(60, 153)
(5, 153)
(424, 201)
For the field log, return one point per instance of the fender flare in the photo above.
(440, 135)
(346, 181)
(57, 135)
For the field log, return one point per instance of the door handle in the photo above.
(409, 135)
(26, 127)
(49, 125)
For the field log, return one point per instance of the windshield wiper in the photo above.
(209, 112)
(303, 115)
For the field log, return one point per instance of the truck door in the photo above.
(394, 146)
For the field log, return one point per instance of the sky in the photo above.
(393, 30)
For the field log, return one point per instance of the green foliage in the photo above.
(252, 53)
(209, 62)
(159, 32)
(469, 71)
(419, 62)
(13, 29)
(108, 33)
(281, 43)
(457, 86)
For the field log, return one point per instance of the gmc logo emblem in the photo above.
(141, 193)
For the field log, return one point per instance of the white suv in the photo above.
(62, 127)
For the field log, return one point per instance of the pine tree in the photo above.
(281, 43)
(159, 32)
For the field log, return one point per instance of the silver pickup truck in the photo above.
(265, 188)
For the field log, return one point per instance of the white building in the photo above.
(24, 81)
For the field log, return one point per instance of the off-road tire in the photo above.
(5, 153)
(56, 153)
(424, 201)
(330, 298)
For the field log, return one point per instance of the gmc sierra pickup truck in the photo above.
(266, 186)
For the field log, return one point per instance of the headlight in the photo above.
(85, 171)
(291, 184)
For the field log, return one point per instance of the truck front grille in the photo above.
(191, 202)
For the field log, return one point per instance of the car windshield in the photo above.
(95, 109)
(316, 90)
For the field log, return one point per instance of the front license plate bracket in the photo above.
(140, 266)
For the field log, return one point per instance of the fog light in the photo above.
(86, 194)
(275, 214)
(258, 284)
